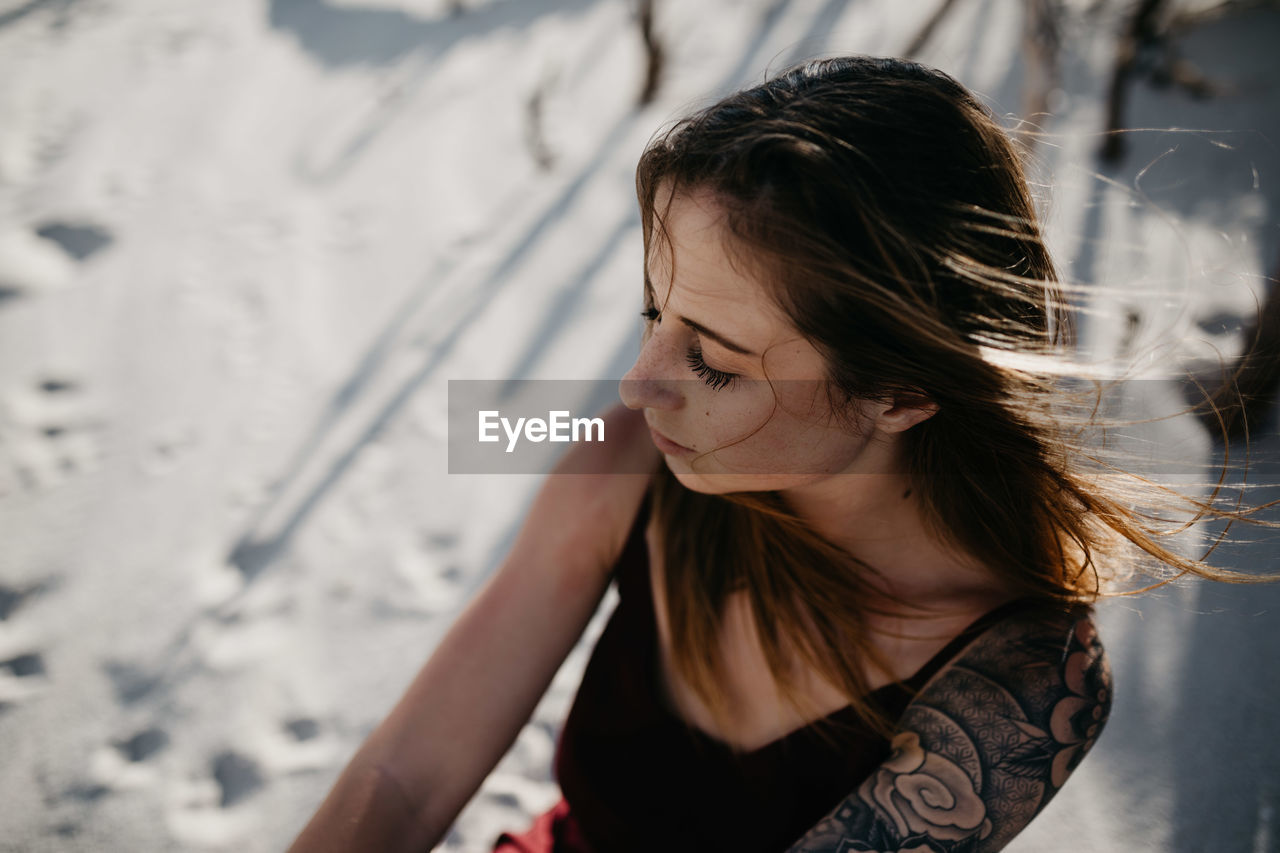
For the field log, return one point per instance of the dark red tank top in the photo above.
(636, 777)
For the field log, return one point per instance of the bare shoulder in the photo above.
(1040, 678)
(586, 505)
(986, 744)
(1032, 643)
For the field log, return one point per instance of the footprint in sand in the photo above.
(130, 682)
(302, 728)
(21, 677)
(23, 672)
(13, 598)
(204, 811)
(127, 763)
(298, 744)
(238, 777)
(78, 240)
(143, 745)
(51, 432)
(47, 257)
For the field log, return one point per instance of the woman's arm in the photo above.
(416, 771)
(984, 746)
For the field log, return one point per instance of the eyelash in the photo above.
(715, 379)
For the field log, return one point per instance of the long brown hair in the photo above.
(890, 210)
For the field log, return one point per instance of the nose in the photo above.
(654, 381)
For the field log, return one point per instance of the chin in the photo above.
(709, 484)
(722, 483)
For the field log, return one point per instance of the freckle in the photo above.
(906, 494)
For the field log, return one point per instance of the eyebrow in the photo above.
(716, 336)
(703, 330)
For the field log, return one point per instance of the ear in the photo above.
(903, 411)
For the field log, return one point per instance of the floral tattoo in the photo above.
(984, 746)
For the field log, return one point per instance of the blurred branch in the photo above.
(1146, 48)
(654, 54)
(926, 32)
(1140, 33)
(1041, 43)
(535, 138)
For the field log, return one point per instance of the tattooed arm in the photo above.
(983, 747)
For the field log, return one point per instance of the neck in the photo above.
(878, 518)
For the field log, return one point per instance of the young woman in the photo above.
(856, 567)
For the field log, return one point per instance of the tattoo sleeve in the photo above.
(983, 747)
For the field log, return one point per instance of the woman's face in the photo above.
(735, 396)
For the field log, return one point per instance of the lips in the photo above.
(666, 445)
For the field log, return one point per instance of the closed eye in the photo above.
(715, 379)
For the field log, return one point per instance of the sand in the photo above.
(245, 245)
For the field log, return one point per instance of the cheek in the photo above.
(786, 428)
(776, 444)
(805, 400)
(795, 448)
(726, 417)
(794, 417)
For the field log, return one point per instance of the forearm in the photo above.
(426, 759)
(468, 703)
(463, 710)
(366, 810)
